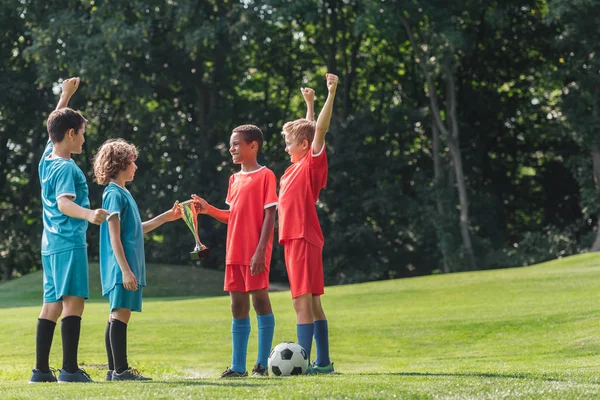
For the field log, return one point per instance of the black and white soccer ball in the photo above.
(287, 359)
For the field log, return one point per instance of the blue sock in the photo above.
(240, 331)
(322, 343)
(266, 327)
(305, 336)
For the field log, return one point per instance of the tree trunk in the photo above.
(452, 140)
(438, 181)
(463, 198)
(596, 171)
(7, 273)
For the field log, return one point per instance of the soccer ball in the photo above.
(287, 359)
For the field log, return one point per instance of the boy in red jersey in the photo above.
(252, 200)
(299, 228)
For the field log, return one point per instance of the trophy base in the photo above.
(198, 254)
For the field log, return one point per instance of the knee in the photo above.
(262, 305)
(73, 306)
(240, 310)
(318, 313)
(51, 311)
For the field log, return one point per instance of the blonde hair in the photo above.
(113, 156)
(299, 130)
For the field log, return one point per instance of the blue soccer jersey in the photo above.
(61, 177)
(118, 201)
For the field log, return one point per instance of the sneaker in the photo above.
(259, 370)
(315, 369)
(78, 376)
(229, 373)
(109, 375)
(130, 374)
(39, 376)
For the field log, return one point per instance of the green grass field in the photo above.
(531, 333)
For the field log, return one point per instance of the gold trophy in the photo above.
(189, 215)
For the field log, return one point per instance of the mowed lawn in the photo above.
(516, 333)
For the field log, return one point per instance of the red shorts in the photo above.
(239, 279)
(304, 264)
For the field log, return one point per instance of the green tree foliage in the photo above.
(441, 105)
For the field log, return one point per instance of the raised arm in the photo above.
(69, 87)
(325, 115)
(309, 98)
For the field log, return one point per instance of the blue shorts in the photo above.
(66, 274)
(119, 297)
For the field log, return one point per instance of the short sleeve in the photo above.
(228, 199)
(318, 169)
(270, 190)
(64, 184)
(113, 203)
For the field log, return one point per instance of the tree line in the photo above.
(464, 135)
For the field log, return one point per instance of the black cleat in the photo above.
(130, 374)
(229, 373)
(259, 370)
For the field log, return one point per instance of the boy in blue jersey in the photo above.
(122, 261)
(64, 249)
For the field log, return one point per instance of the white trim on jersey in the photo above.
(319, 153)
(66, 194)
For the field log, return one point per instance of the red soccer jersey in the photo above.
(248, 196)
(299, 190)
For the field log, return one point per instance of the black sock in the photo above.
(70, 329)
(43, 342)
(111, 363)
(118, 342)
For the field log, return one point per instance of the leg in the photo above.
(240, 304)
(70, 331)
(266, 328)
(317, 308)
(321, 334)
(122, 303)
(46, 324)
(304, 309)
(109, 354)
(118, 338)
(51, 311)
(297, 263)
(45, 333)
(240, 330)
(304, 320)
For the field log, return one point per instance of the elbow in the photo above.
(61, 205)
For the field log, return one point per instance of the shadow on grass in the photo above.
(197, 382)
(466, 375)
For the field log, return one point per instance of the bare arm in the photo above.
(325, 115)
(114, 230)
(219, 215)
(202, 207)
(168, 216)
(259, 261)
(68, 207)
(309, 98)
(69, 87)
